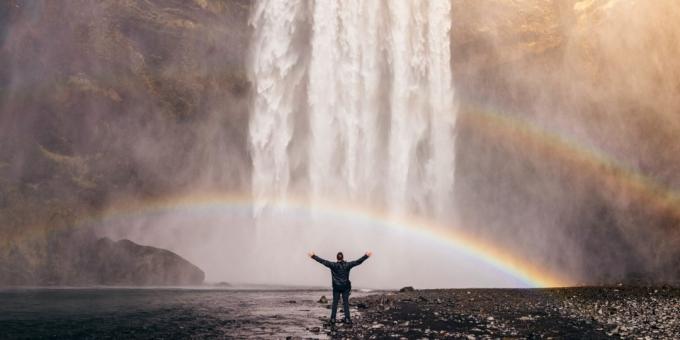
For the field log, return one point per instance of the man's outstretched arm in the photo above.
(361, 259)
(320, 260)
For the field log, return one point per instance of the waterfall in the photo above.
(373, 82)
(277, 73)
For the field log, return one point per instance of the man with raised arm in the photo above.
(341, 284)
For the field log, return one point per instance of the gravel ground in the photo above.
(568, 313)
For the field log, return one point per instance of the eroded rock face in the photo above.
(102, 95)
(109, 99)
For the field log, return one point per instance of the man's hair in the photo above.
(339, 256)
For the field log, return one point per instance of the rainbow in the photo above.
(496, 257)
(604, 172)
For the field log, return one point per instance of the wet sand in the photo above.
(159, 313)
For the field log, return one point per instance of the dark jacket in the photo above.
(340, 271)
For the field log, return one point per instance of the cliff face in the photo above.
(568, 133)
(100, 96)
(105, 99)
(566, 150)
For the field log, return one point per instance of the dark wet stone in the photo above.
(406, 289)
(594, 313)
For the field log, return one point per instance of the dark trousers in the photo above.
(345, 302)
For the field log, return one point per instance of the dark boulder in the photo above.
(74, 261)
(406, 289)
(127, 263)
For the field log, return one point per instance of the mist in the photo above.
(592, 87)
(551, 134)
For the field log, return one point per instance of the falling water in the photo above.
(373, 82)
(277, 71)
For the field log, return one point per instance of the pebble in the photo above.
(636, 313)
